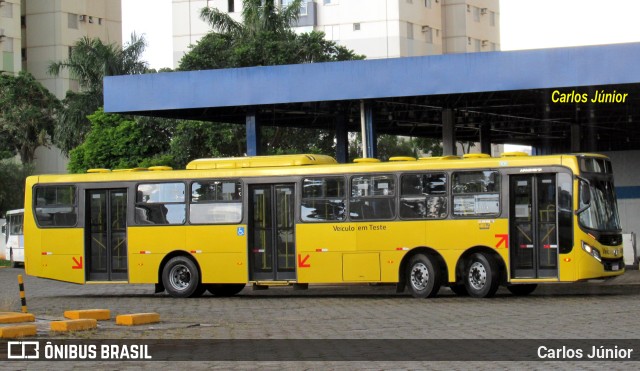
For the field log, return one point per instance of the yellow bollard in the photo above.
(23, 298)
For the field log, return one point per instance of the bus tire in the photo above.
(181, 278)
(229, 289)
(423, 279)
(481, 276)
(522, 290)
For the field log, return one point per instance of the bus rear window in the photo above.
(55, 206)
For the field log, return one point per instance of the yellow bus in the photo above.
(471, 223)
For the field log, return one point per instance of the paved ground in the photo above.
(595, 310)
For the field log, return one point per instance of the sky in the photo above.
(524, 24)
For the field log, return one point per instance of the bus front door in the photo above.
(106, 235)
(271, 241)
(533, 226)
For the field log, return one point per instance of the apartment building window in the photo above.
(476, 14)
(7, 44)
(6, 9)
(492, 18)
(303, 6)
(231, 6)
(23, 21)
(427, 4)
(428, 34)
(73, 21)
(476, 45)
(409, 30)
(330, 2)
(356, 26)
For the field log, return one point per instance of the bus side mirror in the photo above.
(585, 193)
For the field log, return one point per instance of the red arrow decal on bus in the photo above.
(302, 262)
(78, 263)
(503, 240)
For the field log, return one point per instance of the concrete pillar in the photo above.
(485, 138)
(369, 137)
(253, 135)
(342, 139)
(448, 132)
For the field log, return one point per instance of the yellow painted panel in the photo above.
(333, 237)
(148, 246)
(61, 267)
(143, 268)
(223, 267)
(61, 255)
(321, 267)
(361, 267)
(390, 265)
(390, 236)
(217, 238)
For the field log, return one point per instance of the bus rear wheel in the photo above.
(422, 277)
(481, 276)
(522, 290)
(181, 278)
(229, 289)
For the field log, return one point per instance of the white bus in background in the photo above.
(14, 237)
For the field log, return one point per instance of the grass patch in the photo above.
(4, 263)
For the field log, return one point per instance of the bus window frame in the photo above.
(499, 192)
(168, 181)
(76, 204)
(347, 189)
(394, 176)
(447, 194)
(188, 202)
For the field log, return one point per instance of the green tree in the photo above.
(120, 142)
(263, 37)
(12, 177)
(27, 115)
(89, 62)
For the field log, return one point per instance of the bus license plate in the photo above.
(614, 267)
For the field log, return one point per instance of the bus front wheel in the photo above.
(422, 277)
(181, 278)
(481, 276)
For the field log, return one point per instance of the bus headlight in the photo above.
(591, 251)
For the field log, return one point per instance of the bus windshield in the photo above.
(602, 212)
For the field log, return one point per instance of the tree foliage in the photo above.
(264, 37)
(27, 115)
(12, 177)
(89, 62)
(120, 142)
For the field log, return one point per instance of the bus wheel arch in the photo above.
(481, 270)
(180, 275)
(434, 261)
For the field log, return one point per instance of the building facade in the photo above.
(35, 33)
(375, 28)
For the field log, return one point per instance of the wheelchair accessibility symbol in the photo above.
(240, 231)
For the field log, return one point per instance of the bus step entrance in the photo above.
(264, 285)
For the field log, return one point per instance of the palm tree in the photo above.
(89, 62)
(257, 16)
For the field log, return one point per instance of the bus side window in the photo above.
(423, 196)
(323, 199)
(476, 193)
(56, 206)
(372, 197)
(160, 203)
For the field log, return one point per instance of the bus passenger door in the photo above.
(106, 235)
(271, 241)
(533, 226)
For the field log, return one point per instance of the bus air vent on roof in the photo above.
(476, 155)
(402, 158)
(439, 158)
(259, 161)
(514, 154)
